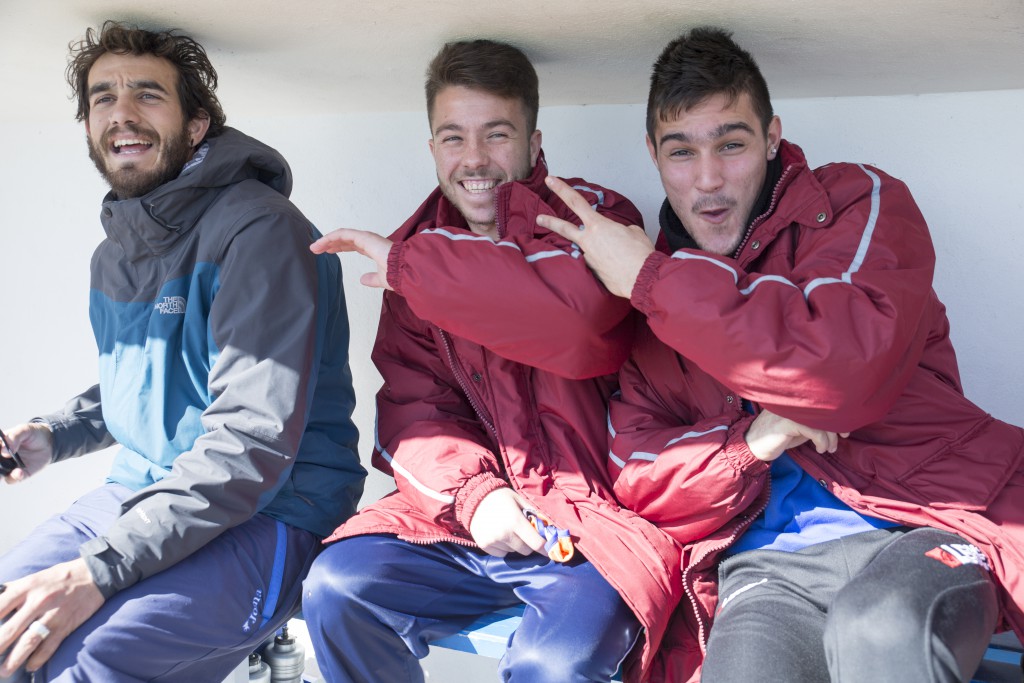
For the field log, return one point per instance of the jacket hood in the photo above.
(172, 209)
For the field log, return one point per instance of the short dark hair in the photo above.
(197, 79)
(699, 65)
(497, 68)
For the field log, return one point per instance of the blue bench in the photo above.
(488, 636)
(1002, 663)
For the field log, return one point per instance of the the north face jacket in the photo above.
(223, 363)
(826, 316)
(496, 359)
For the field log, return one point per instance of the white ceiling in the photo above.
(312, 57)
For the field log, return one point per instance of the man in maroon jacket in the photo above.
(792, 413)
(497, 347)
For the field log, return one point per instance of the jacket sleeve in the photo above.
(529, 297)
(78, 428)
(833, 344)
(428, 436)
(689, 478)
(263, 330)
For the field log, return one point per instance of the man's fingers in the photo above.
(22, 645)
(373, 280)
(523, 540)
(573, 199)
(45, 650)
(824, 442)
(342, 239)
(833, 441)
(534, 543)
(530, 539)
(561, 227)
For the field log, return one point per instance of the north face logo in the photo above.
(171, 305)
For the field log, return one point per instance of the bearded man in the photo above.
(223, 374)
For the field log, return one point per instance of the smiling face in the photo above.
(479, 141)
(713, 160)
(138, 135)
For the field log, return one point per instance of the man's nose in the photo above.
(709, 173)
(475, 154)
(124, 111)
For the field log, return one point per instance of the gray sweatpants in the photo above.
(191, 623)
(888, 605)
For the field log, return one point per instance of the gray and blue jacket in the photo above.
(224, 376)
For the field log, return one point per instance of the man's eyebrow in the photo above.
(448, 127)
(103, 86)
(719, 132)
(496, 123)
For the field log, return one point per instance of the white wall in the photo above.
(959, 153)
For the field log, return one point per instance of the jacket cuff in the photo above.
(396, 259)
(107, 567)
(59, 428)
(640, 297)
(470, 495)
(738, 453)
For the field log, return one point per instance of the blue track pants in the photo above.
(374, 603)
(191, 623)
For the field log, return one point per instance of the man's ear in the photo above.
(774, 136)
(535, 138)
(651, 149)
(197, 128)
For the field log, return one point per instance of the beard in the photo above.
(128, 182)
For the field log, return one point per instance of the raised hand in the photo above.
(615, 252)
(367, 243)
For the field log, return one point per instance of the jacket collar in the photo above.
(438, 211)
(151, 224)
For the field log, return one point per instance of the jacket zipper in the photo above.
(457, 371)
(771, 207)
(737, 530)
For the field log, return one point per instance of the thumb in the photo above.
(373, 280)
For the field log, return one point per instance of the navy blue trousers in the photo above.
(374, 603)
(191, 623)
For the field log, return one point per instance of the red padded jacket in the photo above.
(496, 359)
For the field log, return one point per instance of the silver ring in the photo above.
(39, 628)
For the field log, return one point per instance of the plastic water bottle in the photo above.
(286, 658)
(259, 672)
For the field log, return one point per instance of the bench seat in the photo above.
(488, 636)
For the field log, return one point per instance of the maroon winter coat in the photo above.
(496, 359)
(827, 316)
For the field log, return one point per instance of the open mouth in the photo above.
(475, 186)
(130, 146)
